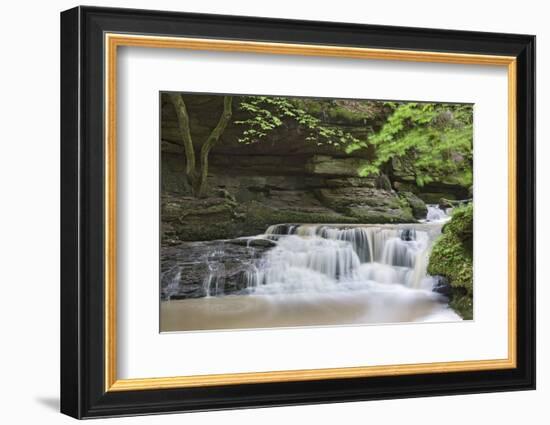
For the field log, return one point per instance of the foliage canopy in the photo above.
(426, 141)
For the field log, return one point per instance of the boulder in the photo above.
(418, 207)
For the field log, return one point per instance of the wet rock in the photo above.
(253, 242)
(443, 287)
(187, 266)
(408, 235)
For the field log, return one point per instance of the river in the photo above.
(313, 275)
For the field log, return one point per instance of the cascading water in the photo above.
(173, 276)
(435, 213)
(320, 274)
(299, 264)
(214, 282)
(333, 258)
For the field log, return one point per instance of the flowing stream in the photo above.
(322, 274)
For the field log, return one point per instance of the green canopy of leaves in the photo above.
(426, 142)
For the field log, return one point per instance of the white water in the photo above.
(332, 258)
(214, 281)
(437, 214)
(325, 274)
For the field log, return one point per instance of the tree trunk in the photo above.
(209, 144)
(198, 179)
(185, 134)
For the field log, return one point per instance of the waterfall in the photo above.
(360, 238)
(324, 258)
(299, 264)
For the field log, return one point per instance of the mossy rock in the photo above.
(463, 306)
(452, 257)
(462, 225)
(417, 205)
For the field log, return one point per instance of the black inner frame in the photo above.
(82, 212)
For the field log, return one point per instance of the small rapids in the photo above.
(437, 214)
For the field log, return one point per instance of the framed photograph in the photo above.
(261, 212)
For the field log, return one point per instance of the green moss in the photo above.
(452, 257)
(462, 225)
(463, 306)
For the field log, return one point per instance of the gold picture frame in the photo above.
(114, 41)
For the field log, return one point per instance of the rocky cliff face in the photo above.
(280, 180)
(244, 202)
